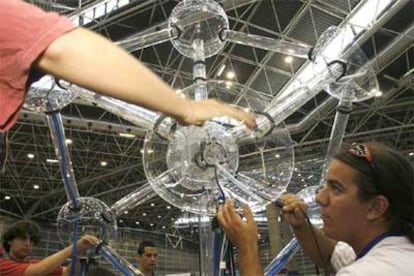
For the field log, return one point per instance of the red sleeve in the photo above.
(12, 268)
(25, 32)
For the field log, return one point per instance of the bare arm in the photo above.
(91, 61)
(244, 236)
(292, 212)
(50, 263)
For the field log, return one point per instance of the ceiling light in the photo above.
(53, 161)
(104, 163)
(152, 204)
(137, 222)
(411, 153)
(230, 75)
(159, 216)
(221, 70)
(30, 155)
(68, 141)
(168, 207)
(127, 135)
(152, 224)
(120, 221)
(378, 93)
(288, 59)
(277, 155)
(163, 227)
(7, 197)
(144, 214)
(126, 212)
(36, 187)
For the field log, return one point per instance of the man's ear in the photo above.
(378, 207)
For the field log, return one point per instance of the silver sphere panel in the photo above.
(94, 217)
(198, 19)
(251, 169)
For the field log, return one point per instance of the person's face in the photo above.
(148, 259)
(344, 216)
(21, 247)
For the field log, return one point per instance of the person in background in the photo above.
(18, 241)
(147, 257)
(367, 207)
(34, 43)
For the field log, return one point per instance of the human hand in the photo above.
(293, 209)
(198, 112)
(243, 234)
(87, 241)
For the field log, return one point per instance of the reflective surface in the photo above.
(94, 217)
(45, 96)
(194, 166)
(198, 19)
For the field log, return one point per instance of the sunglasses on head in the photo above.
(363, 151)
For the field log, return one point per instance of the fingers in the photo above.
(87, 241)
(247, 212)
(291, 202)
(227, 214)
(247, 118)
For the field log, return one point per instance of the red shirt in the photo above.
(25, 32)
(12, 268)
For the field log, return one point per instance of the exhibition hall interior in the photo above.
(317, 74)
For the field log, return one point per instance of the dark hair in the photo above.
(20, 229)
(390, 174)
(143, 244)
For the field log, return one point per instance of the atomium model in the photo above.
(195, 168)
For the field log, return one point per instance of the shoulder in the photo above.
(12, 268)
(392, 256)
(342, 255)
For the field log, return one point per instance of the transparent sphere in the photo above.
(94, 218)
(198, 19)
(359, 82)
(193, 167)
(45, 96)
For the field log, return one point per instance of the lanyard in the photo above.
(372, 243)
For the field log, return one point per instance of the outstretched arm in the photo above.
(243, 235)
(91, 61)
(47, 265)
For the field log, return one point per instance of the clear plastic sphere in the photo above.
(359, 82)
(94, 218)
(192, 168)
(198, 19)
(45, 96)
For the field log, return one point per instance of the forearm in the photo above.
(249, 261)
(307, 241)
(48, 264)
(91, 61)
